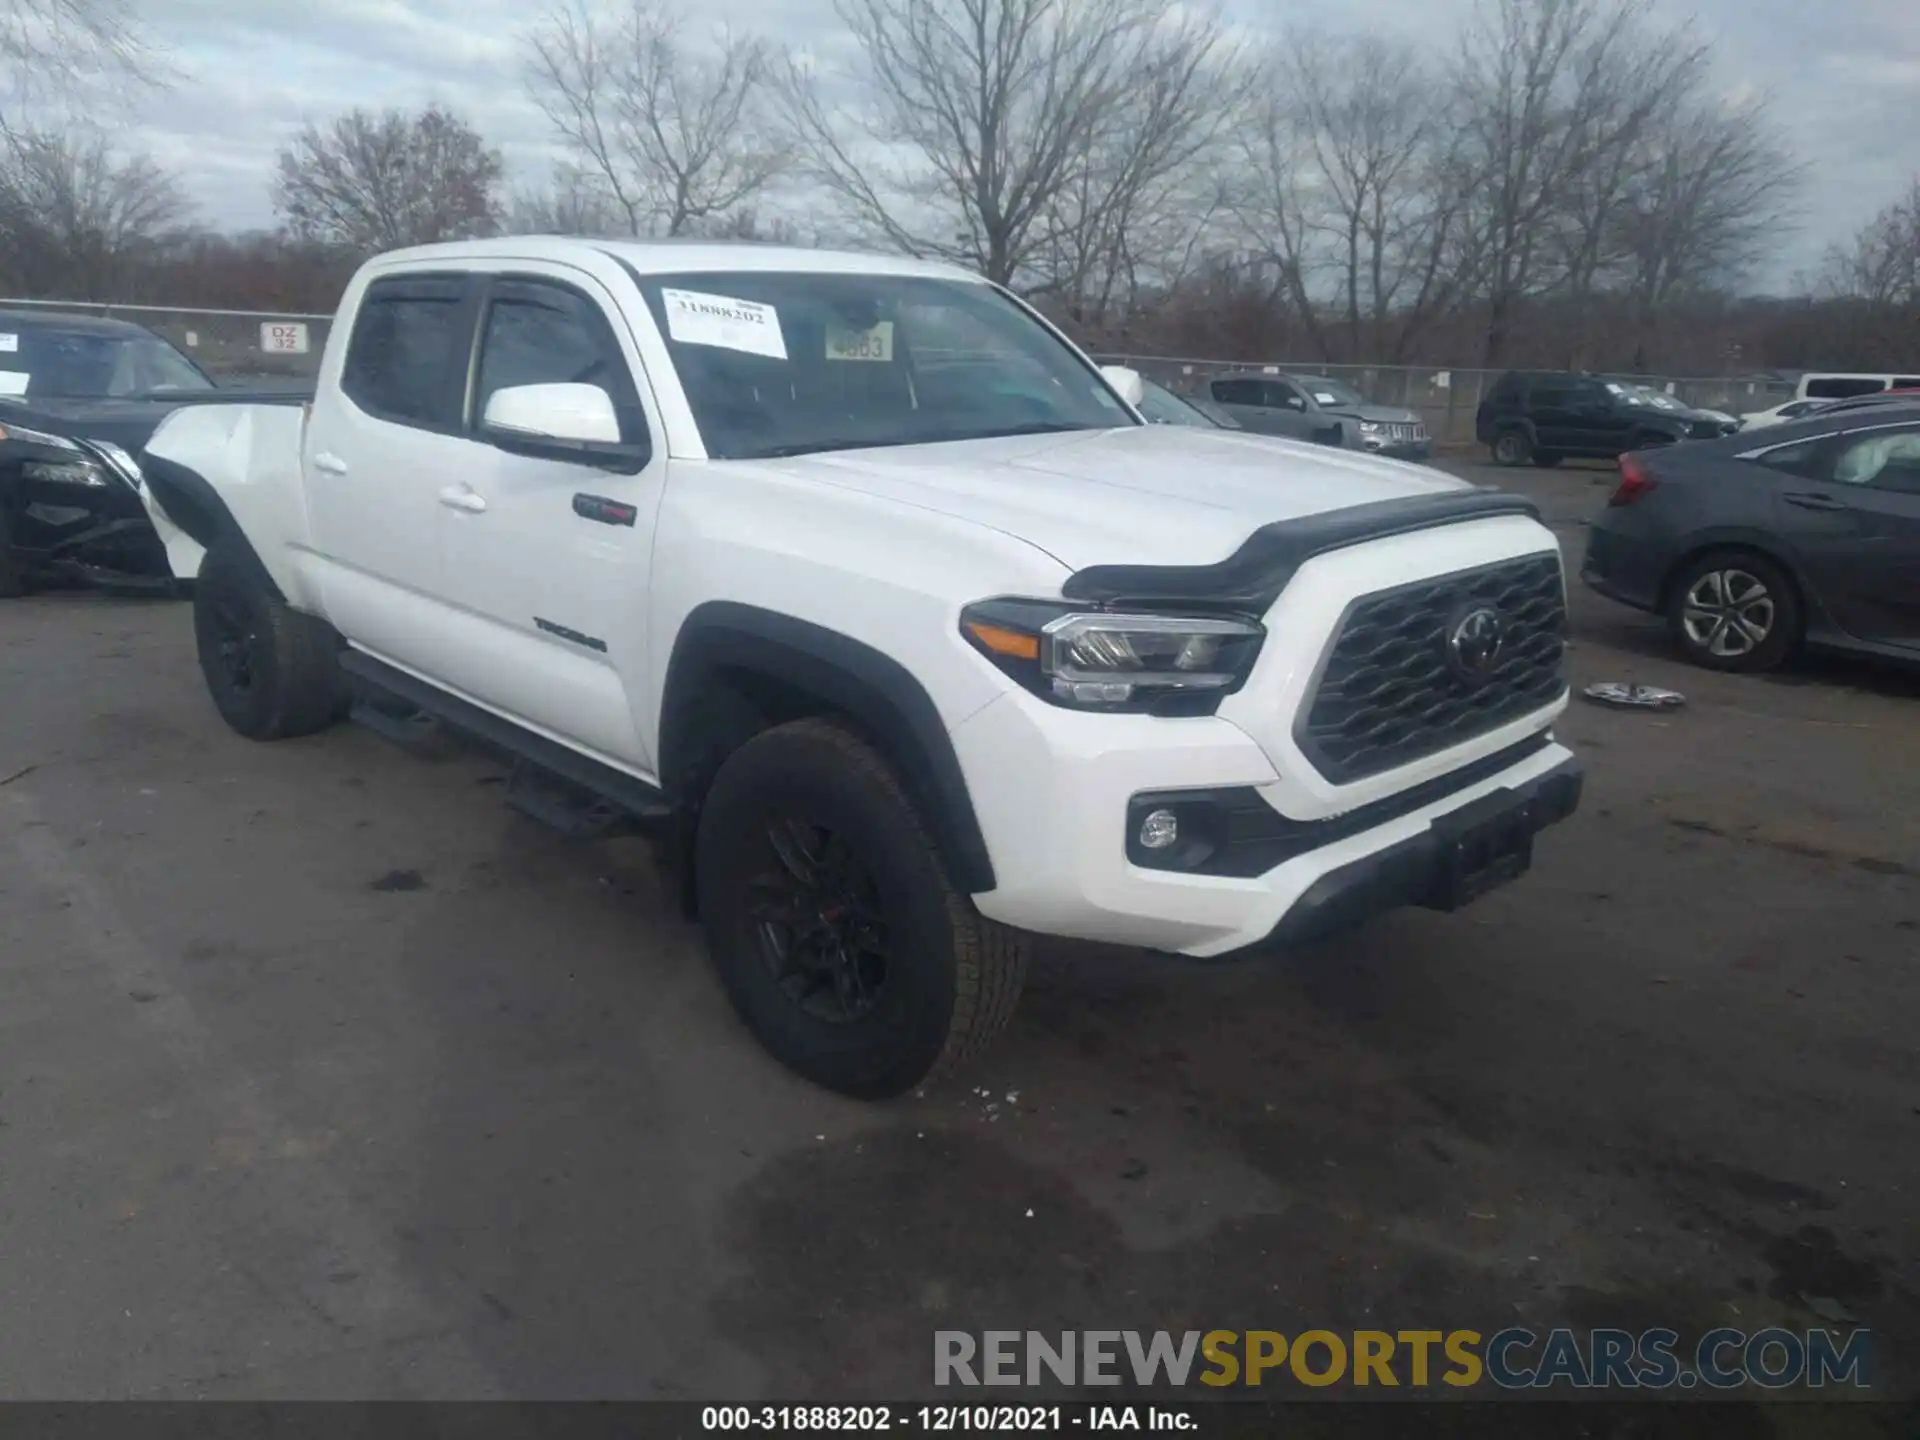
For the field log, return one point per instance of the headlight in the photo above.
(1089, 660)
(66, 472)
(1372, 427)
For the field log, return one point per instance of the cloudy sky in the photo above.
(1844, 77)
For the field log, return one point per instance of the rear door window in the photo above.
(1887, 459)
(407, 360)
(1236, 392)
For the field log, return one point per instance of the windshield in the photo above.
(1644, 395)
(1332, 392)
(88, 365)
(777, 363)
(1162, 407)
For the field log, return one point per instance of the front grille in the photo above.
(1390, 689)
(1705, 430)
(1406, 430)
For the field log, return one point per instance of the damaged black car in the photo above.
(79, 397)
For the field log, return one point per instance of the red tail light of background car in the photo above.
(1635, 481)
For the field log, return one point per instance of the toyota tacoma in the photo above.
(876, 599)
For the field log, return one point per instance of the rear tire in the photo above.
(13, 581)
(836, 932)
(1734, 610)
(1511, 447)
(273, 672)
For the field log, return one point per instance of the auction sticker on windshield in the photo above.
(13, 382)
(873, 344)
(728, 324)
(9, 343)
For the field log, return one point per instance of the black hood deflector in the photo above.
(1251, 579)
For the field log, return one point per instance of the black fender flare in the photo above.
(196, 507)
(722, 638)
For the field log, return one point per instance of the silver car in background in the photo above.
(1327, 411)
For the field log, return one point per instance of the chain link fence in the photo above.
(238, 346)
(262, 346)
(1447, 399)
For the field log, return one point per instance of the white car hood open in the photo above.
(1150, 494)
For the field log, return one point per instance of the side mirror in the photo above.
(572, 423)
(1294, 402)
(1127, 381)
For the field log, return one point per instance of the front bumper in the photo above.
(1399, 449)
(1057, 801)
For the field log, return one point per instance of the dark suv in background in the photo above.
(1543, 417)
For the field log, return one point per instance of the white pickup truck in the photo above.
(856, 581)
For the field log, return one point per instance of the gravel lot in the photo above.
(324, 1074)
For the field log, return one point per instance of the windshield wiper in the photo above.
(1008, 432)
(815, 447)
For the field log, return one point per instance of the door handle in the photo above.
(329, 463)
(459, 497)
(1810, 501)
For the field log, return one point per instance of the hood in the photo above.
(1146, 495)
(127, 423)
(1379, 414)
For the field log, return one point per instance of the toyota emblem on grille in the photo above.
(1474, 642)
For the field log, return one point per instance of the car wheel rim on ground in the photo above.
(814, 906)
(1728, 613)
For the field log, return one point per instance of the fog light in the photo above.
(1159, 830)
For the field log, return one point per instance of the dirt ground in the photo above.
(324, 1074)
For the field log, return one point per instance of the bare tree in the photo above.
(575, 201)
(679, 134)
(1269, 198)
(1137, 207)
(1372, 121)
(377, 182)
(1881, 264)
(75, 219)
(1552, 96)
(1714, 184)
(59, 50)
(969, 120)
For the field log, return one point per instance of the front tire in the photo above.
(1511, 447)
(837, 934)
(1734, 610)
(273, 672)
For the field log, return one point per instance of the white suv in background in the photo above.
(872, 595)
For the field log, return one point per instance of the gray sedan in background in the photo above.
(1750, 546)
(1329, 412)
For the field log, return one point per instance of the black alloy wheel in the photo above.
(822, 934)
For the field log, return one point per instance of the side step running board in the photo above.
(575, 794)
(410, 728)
